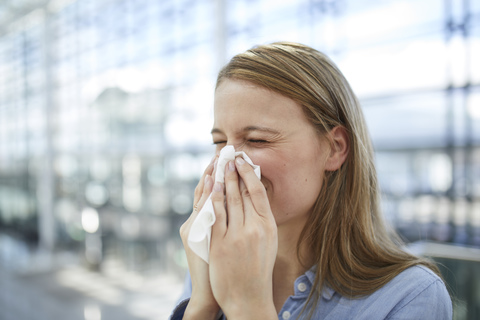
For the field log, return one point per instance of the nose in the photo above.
(238, 146)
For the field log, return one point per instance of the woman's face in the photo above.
(273, 130)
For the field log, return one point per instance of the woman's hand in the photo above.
(202, 304)
(244, 245)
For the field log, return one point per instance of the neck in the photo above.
(287, 265)
(287, 255)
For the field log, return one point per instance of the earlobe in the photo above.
(339, 144)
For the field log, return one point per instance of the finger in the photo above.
(201, 184)
(248, 207)
(219, 228)
(254, 187)
(215, 162)
(234, 201)
(185, 228)
(207, 189)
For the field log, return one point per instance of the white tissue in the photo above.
(201, 230)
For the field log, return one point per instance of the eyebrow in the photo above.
(249, 129)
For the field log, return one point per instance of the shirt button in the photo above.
(302, 287)
(286, 315)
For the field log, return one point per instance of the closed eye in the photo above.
(257, 141)
(249, 141)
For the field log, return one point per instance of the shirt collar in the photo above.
(327, 292)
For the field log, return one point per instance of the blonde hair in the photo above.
(355, 254)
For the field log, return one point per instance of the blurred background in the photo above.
(105, 114)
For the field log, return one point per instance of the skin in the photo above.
(253, 257)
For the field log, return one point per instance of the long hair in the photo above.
(355, 253)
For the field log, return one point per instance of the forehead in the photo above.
(238, 102)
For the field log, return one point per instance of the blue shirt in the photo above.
(416, 293)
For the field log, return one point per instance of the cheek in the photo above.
(292, 189)
(272, 167)
(277, 174)
(260, 157)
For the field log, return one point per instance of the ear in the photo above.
(339, 144)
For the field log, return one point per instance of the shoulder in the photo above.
(414, 279)
(417, 293)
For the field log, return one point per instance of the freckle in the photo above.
(306, 179)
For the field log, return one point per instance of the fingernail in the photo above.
(240, 161)
(231, 166)
(218, 187)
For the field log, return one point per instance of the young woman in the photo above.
(307, 240)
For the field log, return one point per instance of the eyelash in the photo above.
(256, 141)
